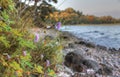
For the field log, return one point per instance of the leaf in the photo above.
(26, 58)
(4, 41)
(4, 63)
(5, 16)
(39, 69)
(51, 72)
(2, 24)
(26, 43)
(16, 32)
(15, 65)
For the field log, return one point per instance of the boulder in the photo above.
(77, 62)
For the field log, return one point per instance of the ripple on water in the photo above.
(108, 36)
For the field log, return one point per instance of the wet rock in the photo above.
(102, 47)
(113, 49)
(86, 49)
(72, 61)
(90, 64)
(88, 44)
(77, 62)
(72, 58)
(105, 70)
(77, 67)
(80, 42)
(71, 45)
(91, 45)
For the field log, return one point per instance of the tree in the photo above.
(70, 16)
(39, 10)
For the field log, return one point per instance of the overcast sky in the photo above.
(95, 7)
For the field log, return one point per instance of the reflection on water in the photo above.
(108, 36)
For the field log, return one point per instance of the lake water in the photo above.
(108, 36)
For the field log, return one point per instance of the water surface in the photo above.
(108, 36)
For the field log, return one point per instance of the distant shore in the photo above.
(93, 24)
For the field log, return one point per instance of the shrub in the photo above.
(17, 44)
(48, 50)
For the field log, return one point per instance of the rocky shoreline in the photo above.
(107, 59)
(90, 44)
(99, 54)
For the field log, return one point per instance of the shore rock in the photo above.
(105, 70)
(78, 63)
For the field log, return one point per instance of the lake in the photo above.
(108, 36)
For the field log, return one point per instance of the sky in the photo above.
(92, 7)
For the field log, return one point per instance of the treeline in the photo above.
(71, 16)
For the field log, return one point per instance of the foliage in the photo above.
(21, 65)
(38, 12)
(48, 50)
(70, 16)
(17, 44)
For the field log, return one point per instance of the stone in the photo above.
(72, 61)
(72, 58)
(71, 45)
(90, 64)
(105, 70)
(86, 49)
(86, 43)
(77, 62)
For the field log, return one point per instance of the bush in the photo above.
(17, 44)
(48, 50)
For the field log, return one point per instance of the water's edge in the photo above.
(87, 43)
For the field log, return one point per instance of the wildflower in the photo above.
(58, 25)
(24, 53)
(8, 57)
(36, 37)
(47, 63)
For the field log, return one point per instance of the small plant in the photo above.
(23, 54)
(47, 50)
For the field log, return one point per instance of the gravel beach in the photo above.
(99, 54)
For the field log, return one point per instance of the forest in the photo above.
(73, 17)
